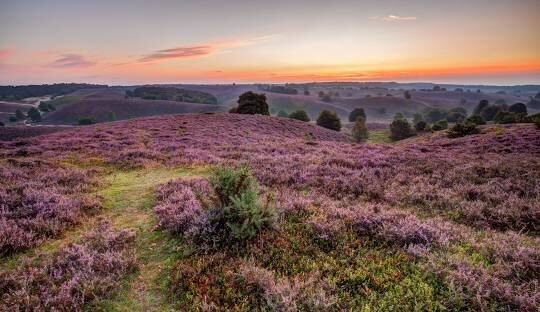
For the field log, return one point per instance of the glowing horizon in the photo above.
(136, 42)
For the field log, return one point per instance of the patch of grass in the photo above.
(379, 137)
(63, 100)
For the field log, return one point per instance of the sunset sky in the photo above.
(203, 41)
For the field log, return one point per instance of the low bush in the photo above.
(440, 125)
(504, 117)
(420, 126)
(462, 129)
(360, 131)
(400, 129)
(476, 119)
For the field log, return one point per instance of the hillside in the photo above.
(172, 94)
(423, 224)
(107, 105)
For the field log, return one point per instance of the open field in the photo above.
(418, 225)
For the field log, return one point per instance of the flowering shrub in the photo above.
(72, 276)
(39, 200)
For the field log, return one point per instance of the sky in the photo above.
(245, 41)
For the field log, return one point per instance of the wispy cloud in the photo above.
(71, 61)
(5, 53)
(192, 51)
(178, 52)
(394, 18)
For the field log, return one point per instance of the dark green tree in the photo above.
(357, 112)
(34, 114)
(300, 115)
(252, 103)
(400, 129)
(519, 108)
(408, 95)
(19, 114)
(359, 130)
(480, 107)
(329, 120)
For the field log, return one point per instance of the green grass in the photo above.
(379, 137)
(128, 201)
(63, 100)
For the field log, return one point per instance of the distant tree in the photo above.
(420, 126)
(518, 108)
(417, 118)
(321, 94)
(306, 92)
(19, 114)
(480, 107)
(282, 113)
(85, 121)
(381, 111)
(435, 114)
(359, 130)
(463, 102)
(400, 129)
(476, 119)
(534, 103)
(357, 112)
(489, 112)
(458, 90)
(408, 95)
(12, 118)
(252, 103)
(537, 96)
(43, 107)
(300, 115)
(458, 109)
(2, 124)
(34, 114)
(455, 117)
(399, 116)
(329, 120)
(440, 125)
(326, 98)
(111, 116)
(436, 88)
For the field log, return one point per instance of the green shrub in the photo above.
(440, 125)
(359, 130)
(238, 214)
(537, 121)
(34, 114)
(519, 108)
(461, 129)
(476, 119)
(300, 115)
(329, 120)
(357, 112)
(434, 114)
(400, 129)
(508, 117)
(455, 117)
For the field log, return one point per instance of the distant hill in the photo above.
(172, 94)
(12, 93)
(107, 105)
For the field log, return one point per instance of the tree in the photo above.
(455, 117)
(420, 126)
(357, 112)
(489, 112)
(329, 120)
(19, 114)
(43, 107)
(399, 116)
(1, 124)
(461, 129)
(440, 125)
(435, 114)
(519, 108)
(321, 94)
(408, 95)
(480, 107)
(306, 92)
(436, 88)
(359, 130)
(417, 118)
(282, 113)
(34, 114)
(252, 103)
(12, 118)
(326, 98)
(300, 115)
(400, 129)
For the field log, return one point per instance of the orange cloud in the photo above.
(179, 52)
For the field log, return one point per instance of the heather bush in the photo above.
(329, 120)
(71, 277)
(461, 129)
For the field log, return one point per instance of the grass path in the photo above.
(128, 202)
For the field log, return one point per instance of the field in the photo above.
(112, 217)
